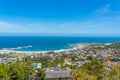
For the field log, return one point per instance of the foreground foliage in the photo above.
(96, 71)
(19, 71)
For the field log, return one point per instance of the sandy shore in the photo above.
(81, 46)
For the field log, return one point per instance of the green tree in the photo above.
(115, 73)
(20, 71)
(4, 68)
(89, 71)
(40, 74)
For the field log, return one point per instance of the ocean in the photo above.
(45, 43)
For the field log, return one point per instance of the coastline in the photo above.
(76, 46)
(9, 50)
(61, 50)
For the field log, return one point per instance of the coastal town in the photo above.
(59, 39)
(61, 65)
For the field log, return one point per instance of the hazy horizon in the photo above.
(53, 34)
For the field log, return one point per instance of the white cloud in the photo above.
(10, 27)
(102, 25)
(102, 11)
(35, 24)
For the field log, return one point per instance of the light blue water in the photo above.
(50, 43)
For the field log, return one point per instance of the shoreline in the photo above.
(18, 51)
(61, 50)
(76, 46)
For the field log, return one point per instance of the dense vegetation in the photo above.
(89, 71)
(96, 71)
(19, 71)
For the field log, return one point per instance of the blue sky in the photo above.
(60, 17)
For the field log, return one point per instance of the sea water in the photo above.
(47, 43)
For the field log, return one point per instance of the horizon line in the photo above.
(59, 34)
